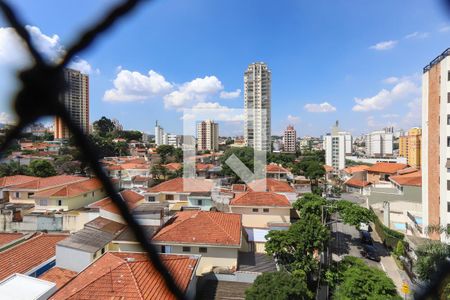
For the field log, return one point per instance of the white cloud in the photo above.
(320, 108)
(417, 35)
(391, 80)
(445, 28)
(230, 95)
(401, 91)
(213, 111)
(373, 123)
(197, 90)
(5, 118)
(390, 116)
(13, 51)
(414, 116)
(134, 86)
(385, 45)
(293, 119)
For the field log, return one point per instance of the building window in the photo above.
(448, 76)
(186, 249)
(17, 195)
(30, 195)
(448, 141)
(59, 202)
(202, 250)
(93, 194)
(169, 197)
(85, 195)
(255, 210)
(448, 119)
(103, 250)
(448, 97)
(266, 210)
(448, 207)
(200, 202)
(151, 199)
(43, 202)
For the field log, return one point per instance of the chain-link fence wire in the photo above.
(39, 96)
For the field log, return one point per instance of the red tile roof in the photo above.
(173, 166)
(48, 182)
(203, 167)
(260, 199)
(238, 187)
(72, 189)
(356, 169)
(180, 185)
(272, 185)
(6, 238)
(131, 198)
(274, 168)
(59, 276)
(201, 227)
(29, 254)
(409, 179)
(16, 179)
(357, 183)
(124, 275)
(388, 168)
(328, 168)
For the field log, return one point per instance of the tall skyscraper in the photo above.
(410, 147)
(76, 100)
(348, 141)
(334, 145)
(208, 136)
(159, 134)
(290, 139)
(379, 144)
(257, 106)
(436, 144)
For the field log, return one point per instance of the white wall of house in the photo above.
(260, 218)
(72, 259)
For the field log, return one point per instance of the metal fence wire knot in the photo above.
(43, 83)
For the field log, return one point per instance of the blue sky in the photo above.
(356, 61)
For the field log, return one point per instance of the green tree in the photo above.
(130, 135)
(429, 257)
(244, 154)
(353, 214)
(310, 204)
(400, 249)
(164, 152)
(103, 126)
(279, 286)
(178, 155)
(42, 168)
(13, 168)
(65, 164)
(159, 173)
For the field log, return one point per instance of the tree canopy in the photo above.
(164, 152)
(42, 168)
(279, 286)
(429, 257)
(103, 126)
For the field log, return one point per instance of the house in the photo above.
(177, 190)
(277, 172)
(23, 193)
(109, 210)
(9, 239)
(261, 212)
(58, 276)
(355, 185)
(71, 196)
(274, 186)
(36, 289)
(127, 275)
(302, 185)
(380, 172)
(328, 172)
(359, 170)
(216, 236)
(77, 251)
(202, 200)
(31, 257)
(9, 181)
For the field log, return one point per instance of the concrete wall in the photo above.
(70, 203)
(260, 218)
(72, 259)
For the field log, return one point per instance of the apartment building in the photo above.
(334, 145)
(208, 136)
(290, 139)
(380, 144)
(76, 101)
(410, 147)
(436, 143)
(257, 106)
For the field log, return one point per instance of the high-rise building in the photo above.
(208, 136)
(76, 100)
(257, 105)
(348, 142)
(436, 144)
(410, 147)
(334, 145)
(159, 135)
(290, 139)
(379, 144)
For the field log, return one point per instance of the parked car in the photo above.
(370, 252)
(366, 238)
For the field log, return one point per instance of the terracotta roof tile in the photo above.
(6, 238)
(180, 185)
(356, 169)
(328, 168)
(201, 227)
(124, 275)
(131, 198)
(173, 166)
(16, 179)
(203, 167)
(274, 168)
(59, 276)
(72, 189)
(272, 185)
(29, 254)
(238, 187)
(388, 168)
(48, 182)
(260, 199)
(409, 179)
(357, 182)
